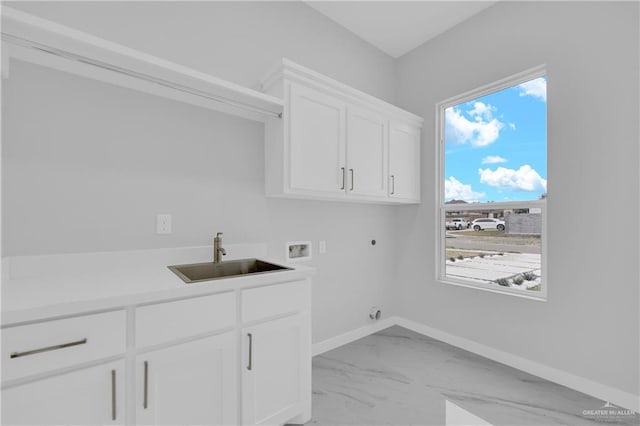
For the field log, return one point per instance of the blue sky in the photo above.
(496, 145)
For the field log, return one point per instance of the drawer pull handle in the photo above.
(351, 170)
(113, 395)
(393, 184)
(344, 177)
(250, 366)
(47, 349)
(145, 404)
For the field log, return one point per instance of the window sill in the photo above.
(541, 297)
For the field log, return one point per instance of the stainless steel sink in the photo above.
(196, 272)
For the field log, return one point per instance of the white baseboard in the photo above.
(350, 336)
(598, 390)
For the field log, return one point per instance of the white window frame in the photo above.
(442, 208)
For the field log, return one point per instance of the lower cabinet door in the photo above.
(193, 383)
(90, 396)
(275, 371)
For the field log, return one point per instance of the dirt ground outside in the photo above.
(494, 257)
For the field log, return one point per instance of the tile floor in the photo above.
(398, 377)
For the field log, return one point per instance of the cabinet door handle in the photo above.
(47, 349)
(344, 177)
(145, 402)
(393, 184)
(250, 365)
(113, 395)
(351, 170)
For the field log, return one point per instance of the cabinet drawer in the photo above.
(263, 302)
(168, 321)
(49, 345)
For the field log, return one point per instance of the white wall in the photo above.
(235, 40)
(589, 325)
(87, 166)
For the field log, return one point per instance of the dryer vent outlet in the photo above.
(375, 313)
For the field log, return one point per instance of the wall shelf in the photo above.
(32, 39)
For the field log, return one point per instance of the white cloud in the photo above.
(536, 88)
(456, 190)
(480, 129)
(493, 159)
(523, 179)
(481, 111)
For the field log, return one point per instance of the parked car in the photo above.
(457, 223)
(487, 223)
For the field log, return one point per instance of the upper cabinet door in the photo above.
(317, 141)
(404, 161)
(367, 152)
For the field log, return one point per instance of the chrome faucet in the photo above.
(218, 251)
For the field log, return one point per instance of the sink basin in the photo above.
(196, 272)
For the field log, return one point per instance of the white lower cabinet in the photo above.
(192, 361)
(193, 383)
(276, 371)
(89, 396)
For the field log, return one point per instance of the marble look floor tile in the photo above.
(399, 377)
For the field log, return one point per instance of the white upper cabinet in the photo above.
(317, 148)
(333, 142)
(367, 152)
(404, 162)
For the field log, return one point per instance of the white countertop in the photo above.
(39, 287)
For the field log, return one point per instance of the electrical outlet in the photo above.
(163, 224)
(322, 247)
